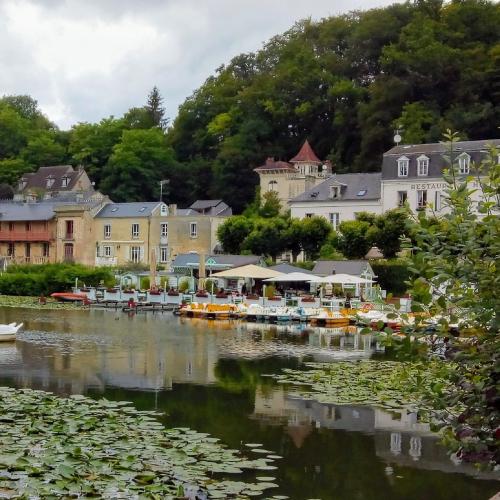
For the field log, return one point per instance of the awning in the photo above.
(342, 279)
(293, 277)
(248, 271)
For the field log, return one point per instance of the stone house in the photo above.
(129, 232)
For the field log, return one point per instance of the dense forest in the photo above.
(345, 83)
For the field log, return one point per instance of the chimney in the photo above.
(172, 209)
(269, 160)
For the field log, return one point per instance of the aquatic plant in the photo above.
(388, 384)
(76, 447)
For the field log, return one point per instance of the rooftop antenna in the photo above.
(397, 135)
(162, 183)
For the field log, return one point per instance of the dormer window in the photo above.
(403, 165)
(50, 182)
(334, 192)
(422, 166)
(22, 184)
(464, 164)
(164, 210)
(65, 182)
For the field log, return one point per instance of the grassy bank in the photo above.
(29, 302)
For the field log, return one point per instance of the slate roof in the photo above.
(38, 179)
(353, 267)
(12, 211)
(212, 207)
(306, 154)
(122, 210)
(434, 151)
(184, 259)
(352, 185)
(272, 164)
(287, 268)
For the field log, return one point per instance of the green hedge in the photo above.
(392, 274)
(48, 278)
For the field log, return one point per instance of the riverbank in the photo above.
(77, 446)
(29, 302)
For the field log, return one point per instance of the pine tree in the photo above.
(156, 110)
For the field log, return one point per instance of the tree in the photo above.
(457, 280)
(267, 237)
(11, 170)
(43, 150)
(294, 237)
(14, 132)
(91, 145)
(233, 232)
(155, 109)
(271, 205)
(315, 231)
(387, 230)
(6, 191)
(353, 240)
(139, 161)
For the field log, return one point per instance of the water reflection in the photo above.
(207, 375)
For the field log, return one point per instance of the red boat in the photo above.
(69, 297)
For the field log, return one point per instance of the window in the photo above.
(164, 210)
(464, 164)
(193, 229)
(65, 182)
(308, 216)
(28, 227)
(27, 250)
(68, 251)
(335, 191)
(135, 231)
(22, 184)
(272, 186)
(163, 254)
(135, 254)
(69, 229)
(45, 249)
(11, 250)
(107, 251)
(334, 219)
(11, 226)
(107, 231)
(422, 166)
(421, 199)
(402, 197)
(50, 182)
(437, 201)
(403, 164)
(164, 229)
(362, 192)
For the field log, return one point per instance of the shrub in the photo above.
(183, 285)
(49, 278)
(392, 275)
(145, 283)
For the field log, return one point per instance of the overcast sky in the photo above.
(87, 59)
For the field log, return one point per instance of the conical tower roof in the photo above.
(306, 154)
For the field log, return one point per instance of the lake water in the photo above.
(207, 376)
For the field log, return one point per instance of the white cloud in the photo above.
(86, 60)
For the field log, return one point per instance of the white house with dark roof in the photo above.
(339, 198)
(413, 174)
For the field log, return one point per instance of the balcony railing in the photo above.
(106, 261)
(26, 236)
(25, 260)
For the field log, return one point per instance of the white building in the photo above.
(413, 174)
(339, 198)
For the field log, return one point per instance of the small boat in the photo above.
(69, 296)
(304, 314)
(330, 318)
(8, 332)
